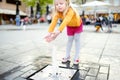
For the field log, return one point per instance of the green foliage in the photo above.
(43, 4)
(29, 2)
(80, 1)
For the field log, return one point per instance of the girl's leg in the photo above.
(77, 46)
(69, 46)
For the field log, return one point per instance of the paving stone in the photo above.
(83, 74)
(24, 57)
(27, 68)
(19, 78)
(84, 68)
(7, 46)
(1, 52)
(25, 48)
(6, 66)
(93, 72)
(26, 74)
(26, 63)
(12, 76)
(86, 65)
(9, 53)
(104, 69)
(94, 65)
(90, 78)
(102, 77)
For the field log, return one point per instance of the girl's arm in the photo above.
(53, 23)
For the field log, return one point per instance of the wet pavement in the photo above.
(23, 51)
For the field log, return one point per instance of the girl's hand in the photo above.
(47, 37)
(52, 36)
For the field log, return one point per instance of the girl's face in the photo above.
(60, 5)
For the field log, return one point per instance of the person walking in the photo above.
(17, 20)
(71, 19)
(110, 22)
(98, 24)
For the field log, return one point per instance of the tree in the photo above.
(42, 4)
(80, 1)
(31, 4)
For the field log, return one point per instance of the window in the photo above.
(13, 1)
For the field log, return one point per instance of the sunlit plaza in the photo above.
(24, 54)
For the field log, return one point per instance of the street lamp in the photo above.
(38, 8)
(17, 19)
(47, 10)
(31, 12)
(17, 7)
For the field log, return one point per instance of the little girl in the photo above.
(70, 19)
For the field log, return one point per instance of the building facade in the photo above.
(8, 10)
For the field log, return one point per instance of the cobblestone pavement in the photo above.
(23, 51)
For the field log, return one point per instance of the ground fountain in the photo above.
(54, 71)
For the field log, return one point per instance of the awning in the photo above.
(12, 12)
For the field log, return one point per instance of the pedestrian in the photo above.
(105, 20)
(17, 20)
(73, 22)
(98, 24)
(11, 21)
(49, 18)
(110, 22)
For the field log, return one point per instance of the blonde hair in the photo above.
(68, 4)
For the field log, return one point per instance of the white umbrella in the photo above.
(74, 5)
(95, 4)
